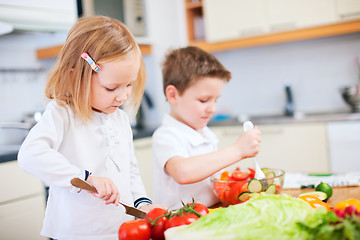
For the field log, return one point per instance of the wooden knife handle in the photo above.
(77, 182)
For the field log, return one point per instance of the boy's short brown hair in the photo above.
(184, 66)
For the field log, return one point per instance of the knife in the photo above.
(77, 182)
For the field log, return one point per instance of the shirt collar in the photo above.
(194, 137)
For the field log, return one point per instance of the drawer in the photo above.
(15, 183)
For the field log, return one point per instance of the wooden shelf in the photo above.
(296, 35)
(52, 52)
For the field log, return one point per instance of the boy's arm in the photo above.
(196, 168)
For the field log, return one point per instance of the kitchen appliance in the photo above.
(351, 96)
(130, 12)
(77, 182)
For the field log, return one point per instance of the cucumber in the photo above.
(270, 177)
(244, 196)
(265, 170)
(255, 186)
(271, 189)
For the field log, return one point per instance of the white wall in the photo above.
(315, 68)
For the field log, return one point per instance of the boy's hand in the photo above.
(249, 143)
(106, 189)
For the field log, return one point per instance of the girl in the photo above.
(84, 134)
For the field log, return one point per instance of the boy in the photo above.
(185, 152)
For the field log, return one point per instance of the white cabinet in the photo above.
(39, 15)
(22, 203)
(291, 147)
(231, 19)
(234, 19)
(143, 153)
(285, 15)
(344, 142)
(348, 9)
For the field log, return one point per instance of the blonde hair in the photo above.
(104, 39)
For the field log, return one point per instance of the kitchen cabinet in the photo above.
(143, 153)
(344, 142)
(310, 23)
(300, 147)
(348, 9)
(22, 203)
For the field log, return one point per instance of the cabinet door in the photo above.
(348, 9)
(143, 153)
(344, 142)
(231, 19)
(22, 219)
(291, 147)
(290, 14)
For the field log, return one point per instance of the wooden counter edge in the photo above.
(52, 52)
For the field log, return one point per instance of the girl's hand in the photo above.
(146, 208)
(106, 189)
(248, 144)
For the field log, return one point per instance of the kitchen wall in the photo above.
(316, 69)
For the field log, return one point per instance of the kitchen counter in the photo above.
(282, 119)
(339, 194)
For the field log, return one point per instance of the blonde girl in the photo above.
(83, 132)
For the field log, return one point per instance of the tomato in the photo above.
(235, 191)
(252, 173)
(157, 218)
(181, 219)
(197, 207)
(238, 175)
(135, 230)
(314, 202)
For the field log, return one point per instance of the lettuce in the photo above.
(261, 217)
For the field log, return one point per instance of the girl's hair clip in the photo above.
(91, 62)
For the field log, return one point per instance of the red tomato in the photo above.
(197, 207)
(178, 220)
(135, 230)
(157, 218)
(234, 192)
(238, 175)
(252, 173)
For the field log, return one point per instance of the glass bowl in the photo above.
(231, 191)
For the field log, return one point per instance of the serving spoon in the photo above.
(259, 174)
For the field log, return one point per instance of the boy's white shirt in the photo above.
(61, 147)
(174, 138)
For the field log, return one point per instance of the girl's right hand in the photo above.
(106, 189)
(248, 144)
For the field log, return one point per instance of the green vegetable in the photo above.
(262, 217)
(271, 189)
(255, 186)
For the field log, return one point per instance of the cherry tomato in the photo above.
(181, 219)
(157, 218)
(135, 230)
(238, 175)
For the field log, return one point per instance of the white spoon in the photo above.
(259, 174)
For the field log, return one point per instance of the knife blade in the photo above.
(77, 182)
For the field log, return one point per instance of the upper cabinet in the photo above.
(39, 15)
(231, 24)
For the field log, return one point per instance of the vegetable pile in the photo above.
(158, 220)
(267, 217)
(236, 187)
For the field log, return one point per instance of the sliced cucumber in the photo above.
(265, 170)
(244, 196)
(270, 177)
(255, 186)
(271, 189)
